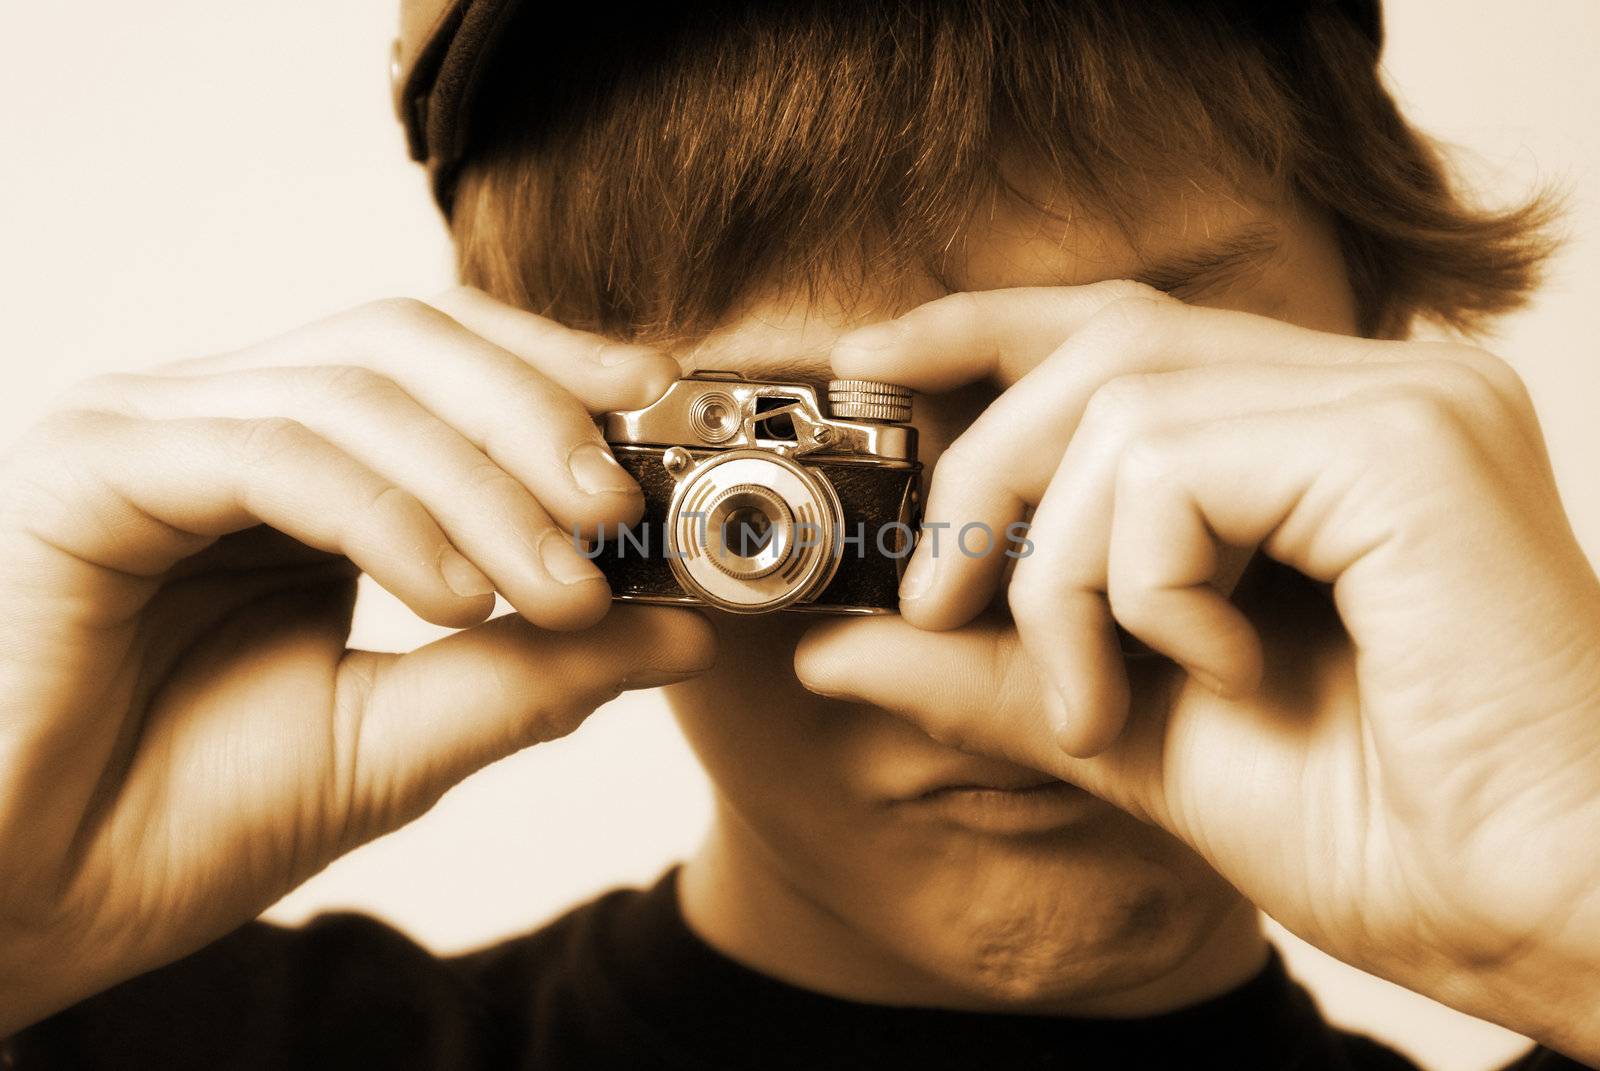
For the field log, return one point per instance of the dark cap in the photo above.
(445, 46)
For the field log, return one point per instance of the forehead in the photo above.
(1269, 256)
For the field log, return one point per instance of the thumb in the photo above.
(418, 723)
(975, 689)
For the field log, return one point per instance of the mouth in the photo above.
(1039, 804)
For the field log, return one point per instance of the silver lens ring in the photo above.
(794, 565)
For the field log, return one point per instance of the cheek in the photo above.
(770, 746)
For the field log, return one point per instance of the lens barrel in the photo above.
(751, 531)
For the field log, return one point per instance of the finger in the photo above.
(1161, 583)
(60, 755)
(995, 335)
(136, 497)
(908, 675)
(976, 690)
(1058, 594)
(487, 514)
(515, 414)
(948, 581)
(1000, 465)
(603, 374)
(1281, 479)
(413, 725)
(1004, 460)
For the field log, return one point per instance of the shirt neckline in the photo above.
(682, 992)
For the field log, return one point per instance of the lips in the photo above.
(1017, 784)
(1040, 808)
(991, 797)
(969, 773)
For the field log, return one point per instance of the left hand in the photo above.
(1406, 775)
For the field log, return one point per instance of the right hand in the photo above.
(185, 736)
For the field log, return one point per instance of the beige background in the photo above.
(195, 174)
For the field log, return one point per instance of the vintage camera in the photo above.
(756, 501)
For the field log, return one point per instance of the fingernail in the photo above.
(658, 678)
(563, 563)
(871, 339)
(918, 578)
(461, 576)
(597, 472)
(612, 356)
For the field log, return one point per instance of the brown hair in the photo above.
(643, 183)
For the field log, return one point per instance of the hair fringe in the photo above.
(718, 149)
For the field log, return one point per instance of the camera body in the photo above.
(757, 501)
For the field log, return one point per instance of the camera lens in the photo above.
(752, 531)
(748, 532)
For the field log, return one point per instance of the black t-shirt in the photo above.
(622, 983)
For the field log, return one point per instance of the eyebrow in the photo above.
(1214, 265)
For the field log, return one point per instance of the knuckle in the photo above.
(1028, 598)
(1495, 381)
(391, 505)
(1463, 382)
(1416, 424)
(1121, 407)
(561, 418)
(1147, 461)
(1131, 322)
(1130, 601)
(350, 384)
(1413, 416)
(268, 439)
(41, 472)
(964, 455)
(404, 314)
(402, 309)
(110, 391)
(960, 312)
(71, 427)
(488, 480)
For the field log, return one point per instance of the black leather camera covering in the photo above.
(869, 494)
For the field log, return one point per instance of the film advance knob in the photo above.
(866, 399)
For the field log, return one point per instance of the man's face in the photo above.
(853, 853)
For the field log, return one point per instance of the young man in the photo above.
(1150, 267)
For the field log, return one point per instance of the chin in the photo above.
(1081, 909)
(1055, 924)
